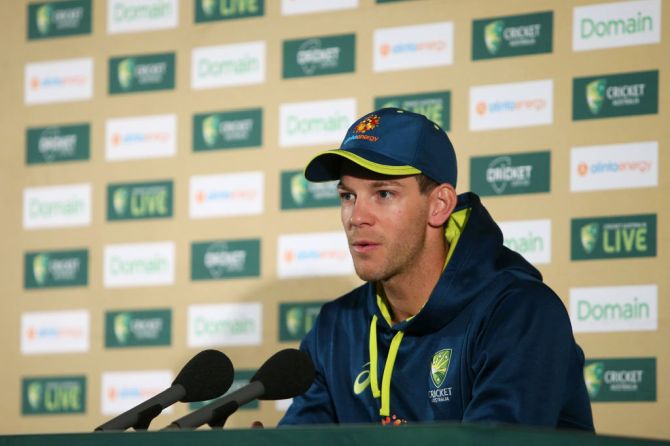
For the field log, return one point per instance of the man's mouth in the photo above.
(364, 246)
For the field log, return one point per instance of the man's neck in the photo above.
(406, 294)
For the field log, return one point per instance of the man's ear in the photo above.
(442, 203)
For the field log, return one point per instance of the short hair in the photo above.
(426, 185)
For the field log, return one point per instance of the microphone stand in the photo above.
(145, 417)
(220, 414)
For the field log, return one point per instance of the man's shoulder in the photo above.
(354, 299)
(527, 294)
(349, 308)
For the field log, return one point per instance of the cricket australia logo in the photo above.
(439, 367)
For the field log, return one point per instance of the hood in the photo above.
(478, 258)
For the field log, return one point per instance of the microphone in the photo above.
(286, 374)
(207, 375)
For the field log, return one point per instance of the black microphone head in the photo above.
(286, 374)
(206, 376)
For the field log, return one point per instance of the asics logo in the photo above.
(362, 380)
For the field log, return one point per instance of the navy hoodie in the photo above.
(493, 343)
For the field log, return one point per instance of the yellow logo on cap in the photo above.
(367, 124)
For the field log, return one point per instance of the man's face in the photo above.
(385, 219)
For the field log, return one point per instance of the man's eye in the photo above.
(346, 196)
(385, 194)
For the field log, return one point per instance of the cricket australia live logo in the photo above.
(439, 367)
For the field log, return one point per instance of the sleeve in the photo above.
(316, 405)
(521, 358)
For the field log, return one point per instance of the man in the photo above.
(451, 325)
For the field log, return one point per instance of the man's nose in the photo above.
(361, 214)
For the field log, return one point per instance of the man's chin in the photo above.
(368, 275)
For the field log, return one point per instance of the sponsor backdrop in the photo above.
(154, 204)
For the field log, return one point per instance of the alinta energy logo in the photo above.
(614, 166)
(605, 166)
(131, 138)
(370, 122)
(38, 83)
(439, 367)
(367, 124)
(52, 332)
(310, 255)
(41, 336)
(423, 47)
(115, 394)
(226, 195)
(313, 254)
(509, 106)
(415, 46)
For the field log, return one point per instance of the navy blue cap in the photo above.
(391, 141)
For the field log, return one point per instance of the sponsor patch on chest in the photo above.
(439, 367)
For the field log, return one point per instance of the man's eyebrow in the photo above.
(375, 184)
(383, 183)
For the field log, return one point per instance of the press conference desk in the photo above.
(418, 435)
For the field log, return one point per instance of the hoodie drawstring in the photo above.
(385, 393)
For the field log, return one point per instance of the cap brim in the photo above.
(326, 166)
